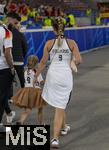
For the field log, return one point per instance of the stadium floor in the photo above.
(88, 110)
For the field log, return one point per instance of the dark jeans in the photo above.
(10, 94)
(5, 84)
(20, 72)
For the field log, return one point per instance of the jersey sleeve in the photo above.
(8, 39)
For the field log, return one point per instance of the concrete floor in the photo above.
(88, 110)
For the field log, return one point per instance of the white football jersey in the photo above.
(5, 42)
(60, 56)
(29, 79)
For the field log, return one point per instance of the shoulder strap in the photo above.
(51, 45)
(68, 44)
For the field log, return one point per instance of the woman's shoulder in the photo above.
(70, 40)
(49, 42)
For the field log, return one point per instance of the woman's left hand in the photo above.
(35, 81)
(73, 66)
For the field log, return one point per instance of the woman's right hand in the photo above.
(34, 81)
(73, 66)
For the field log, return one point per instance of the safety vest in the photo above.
(88, 12)
(98, 20)
(24, 18)
(64, 21)
(72, 20)
(33, 14)
(47, 22)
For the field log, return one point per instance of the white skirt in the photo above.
(58, 86)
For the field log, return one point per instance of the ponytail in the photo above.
(58, 25)
(59, 42)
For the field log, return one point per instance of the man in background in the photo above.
(18, 52)
(6, 69)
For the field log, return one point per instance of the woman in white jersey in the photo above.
(59, 79)
(30, 96)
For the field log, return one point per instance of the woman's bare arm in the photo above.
(44, 59)
(75, 50)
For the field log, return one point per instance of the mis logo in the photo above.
(27, 136)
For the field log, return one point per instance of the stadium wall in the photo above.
(87, 38)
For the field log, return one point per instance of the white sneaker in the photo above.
(65, 130)
(10, 101)
(11, 117)
(55, 143)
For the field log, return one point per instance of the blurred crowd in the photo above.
(34, 17)
(39, 17)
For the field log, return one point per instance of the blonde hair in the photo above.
(58, 25)
(32, 62)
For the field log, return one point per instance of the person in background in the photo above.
(2, 9)
(71, 22)
(11, 6)
(98, 20)
(19, 45)
(59, 80)
(47, 22)
(18, 52)
(7, 70)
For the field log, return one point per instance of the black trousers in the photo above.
(5, 84)
(20, 72)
